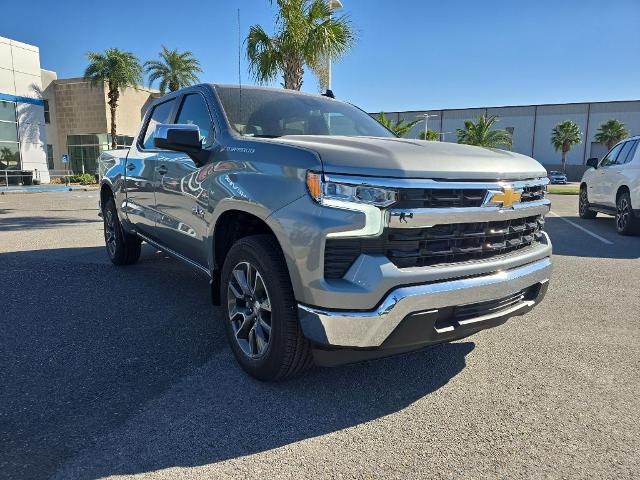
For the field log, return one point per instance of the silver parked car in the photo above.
(326, 238)
(556, 177)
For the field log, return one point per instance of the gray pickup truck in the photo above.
(326, 238)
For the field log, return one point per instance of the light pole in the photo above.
(426, 123)
(333, 5)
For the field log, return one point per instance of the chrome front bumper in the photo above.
(370, 329)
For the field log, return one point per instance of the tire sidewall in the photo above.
(111, 208)
(630, 226)
(267, 365)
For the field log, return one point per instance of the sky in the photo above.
(409, 54)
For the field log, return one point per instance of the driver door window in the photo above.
(194, 111)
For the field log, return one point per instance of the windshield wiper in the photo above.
(263, 136)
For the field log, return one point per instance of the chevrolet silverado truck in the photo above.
(326, 238)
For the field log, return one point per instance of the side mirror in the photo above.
(178, 137)
(593, 162)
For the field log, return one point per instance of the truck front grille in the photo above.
(441, 244)
(411, 198)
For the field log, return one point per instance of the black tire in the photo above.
(583, 205)
(287, 351)
(626, 221)
(122, 248)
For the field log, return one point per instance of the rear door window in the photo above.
(161, 114)
(627, 153)
(610, 158)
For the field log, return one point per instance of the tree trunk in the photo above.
(610, 144)
(173, 86)
(293, 73)
(564, 161)
(114, 95)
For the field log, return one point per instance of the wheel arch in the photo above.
(622, 189)
(106, 192)
(232, 225)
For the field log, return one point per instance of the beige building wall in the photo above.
(131, 108)
(81, 108)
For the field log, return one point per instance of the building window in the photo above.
(84, 150)
(47, 115)
(50, 156)
(9, 146)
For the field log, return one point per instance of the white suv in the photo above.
(612, 186)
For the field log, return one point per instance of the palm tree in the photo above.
(611, 132)
(564, 136)
(118, 70)
(432, 135)
(480, 133)
(400, 128)
(174, 70)
(305, 33)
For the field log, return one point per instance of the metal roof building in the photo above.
(531, 127)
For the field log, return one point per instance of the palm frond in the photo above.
(482, 134)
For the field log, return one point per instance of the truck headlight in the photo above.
(325, 192)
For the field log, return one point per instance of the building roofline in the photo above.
(507, 106)
(82, 80)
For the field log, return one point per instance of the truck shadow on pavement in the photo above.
(110, 370)
(8, 224)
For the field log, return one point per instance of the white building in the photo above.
(531, 127)
(23, 136)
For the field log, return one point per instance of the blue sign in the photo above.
(65, 158)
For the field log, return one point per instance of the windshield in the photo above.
(269, 113)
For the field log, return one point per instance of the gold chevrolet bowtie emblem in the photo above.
(505, 198)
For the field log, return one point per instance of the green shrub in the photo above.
(82, 179)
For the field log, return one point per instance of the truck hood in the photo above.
(406, 158)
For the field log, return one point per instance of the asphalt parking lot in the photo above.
(125, 372)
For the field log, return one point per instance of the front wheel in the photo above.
(626, 222)
(583, 205)
(261, 318)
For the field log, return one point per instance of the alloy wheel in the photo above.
(110, 232)
(249, 309)
(623, 214)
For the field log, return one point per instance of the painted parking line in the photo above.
(580, 227)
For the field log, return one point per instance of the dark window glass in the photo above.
(627, 152)
(8, 132)
(9, 156)
(50, 156)
(610, 158)
(7, 111)
(273, 113)
(194, 111)
(160, 114)
(47, 115)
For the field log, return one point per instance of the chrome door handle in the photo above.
(162, 169)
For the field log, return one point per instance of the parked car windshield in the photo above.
(271, 113)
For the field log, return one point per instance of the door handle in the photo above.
(130, 166)
(162, 169)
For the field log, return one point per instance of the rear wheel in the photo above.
(583, 204)
(122, 248)
(626, 222)
(261, 319)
